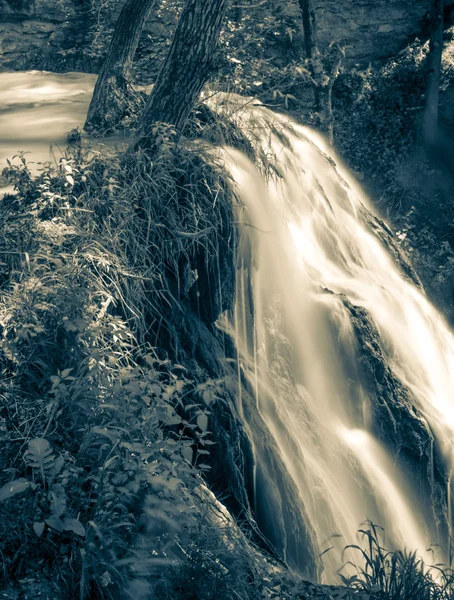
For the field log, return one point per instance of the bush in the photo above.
(375, 116)
(377, 123)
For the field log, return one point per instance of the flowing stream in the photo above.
(328, 326)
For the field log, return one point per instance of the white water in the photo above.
(302, 233)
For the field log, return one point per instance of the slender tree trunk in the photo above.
(186, 68)
(310, 45)
(309, 31)
(114, 97)
(323, 76)
(325, 100)
(430, 117)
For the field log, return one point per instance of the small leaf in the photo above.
(75, 526)
(38, 528)
(208, 396)
(58, 465)
(55, 523)
(187, 453)
(202, 422)
(58, 501)
(15, 487)
(39, 456)
(149, 360)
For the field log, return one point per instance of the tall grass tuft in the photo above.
(394, 575)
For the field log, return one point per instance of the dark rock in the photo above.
(44, 34)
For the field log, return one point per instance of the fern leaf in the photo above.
(39, 456)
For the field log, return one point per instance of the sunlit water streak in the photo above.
(301, 235)
(37, 111)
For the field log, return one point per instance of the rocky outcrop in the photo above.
(33, 32)
(71, 34)
(370, 30)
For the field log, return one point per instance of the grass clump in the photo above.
(394, 575)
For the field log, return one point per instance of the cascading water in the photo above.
(348, 369)
(312, 258)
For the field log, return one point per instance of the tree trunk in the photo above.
(114, 98)
(309, 31)
(325, 104)
(323, 76)
(186, 68)
(430, 117)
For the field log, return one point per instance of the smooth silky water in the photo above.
(303, 249)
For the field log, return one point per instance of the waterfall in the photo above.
(348, 364)
(347, 369)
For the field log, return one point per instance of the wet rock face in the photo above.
(395, 419)
(62, 36)
(386, 237)
(370, 29)
(33, 32)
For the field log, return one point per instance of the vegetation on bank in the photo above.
(105, 440)
(378, 119)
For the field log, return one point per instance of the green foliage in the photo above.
(103, 17)
(18, 486)
(375, 113)
(39, 457)
(377, 123)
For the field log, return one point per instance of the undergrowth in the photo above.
(104, 439)
(377, 131)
